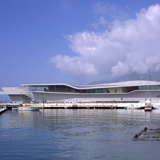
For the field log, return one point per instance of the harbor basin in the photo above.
(77, 134)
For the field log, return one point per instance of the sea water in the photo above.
(77, 134)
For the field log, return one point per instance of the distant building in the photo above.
(133, 91)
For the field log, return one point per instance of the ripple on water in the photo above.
(77, 134)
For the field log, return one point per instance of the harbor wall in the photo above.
(84, 105)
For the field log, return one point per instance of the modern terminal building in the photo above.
(127, 91)
(17, 94)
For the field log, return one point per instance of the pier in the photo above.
(2, 110)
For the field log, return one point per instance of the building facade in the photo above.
(120, 91)
(128, 91)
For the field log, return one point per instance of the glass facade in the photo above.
(38, 88)
(149, 87)
(64, 88)
(129, 89)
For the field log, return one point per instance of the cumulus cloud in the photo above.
(101, 21)
(129, 46)
(74, 65)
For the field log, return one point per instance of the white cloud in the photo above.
(100, 22)
(74, 66)
(130, 46)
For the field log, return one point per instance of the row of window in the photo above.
(63, 88)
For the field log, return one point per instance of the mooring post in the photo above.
(43, 102)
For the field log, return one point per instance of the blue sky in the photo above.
(76, 41)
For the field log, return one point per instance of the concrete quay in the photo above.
(83, 105)
(94, 105)
(2, 110)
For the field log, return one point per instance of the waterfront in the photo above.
(77, 134)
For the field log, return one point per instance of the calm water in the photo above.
(77, 134)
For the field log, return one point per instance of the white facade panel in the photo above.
(17, 94)
(135, 96)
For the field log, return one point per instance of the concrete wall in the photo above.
(63, 96)
(20, 98)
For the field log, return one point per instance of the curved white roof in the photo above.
(106, 85)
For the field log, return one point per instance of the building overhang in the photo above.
(15, 91)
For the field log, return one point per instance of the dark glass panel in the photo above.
(149, 87)
(132, 88)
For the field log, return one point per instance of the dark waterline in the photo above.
(77, 134)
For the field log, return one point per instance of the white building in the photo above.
(120, 91)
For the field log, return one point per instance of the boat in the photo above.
(148, 105)
(14, 108)
(28, 108)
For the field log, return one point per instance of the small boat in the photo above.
(14, 108)
(148, 105)
(148, 109)
(28, 108)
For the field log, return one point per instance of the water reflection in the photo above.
(76, 134)
(82, 117)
